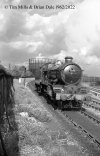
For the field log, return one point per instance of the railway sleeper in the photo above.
(96, 142)
(87, 134)
(89, 105)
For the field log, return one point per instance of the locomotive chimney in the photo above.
(68, 59)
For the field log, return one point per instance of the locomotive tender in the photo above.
(60, 82)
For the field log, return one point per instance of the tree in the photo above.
(15, 71)
(22, 69)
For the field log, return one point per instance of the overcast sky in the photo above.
(56, 33)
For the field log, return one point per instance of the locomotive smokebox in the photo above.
(68, 59)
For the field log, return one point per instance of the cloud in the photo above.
(52, 33)
(12, 27)
(32, 46)
(12, 55)
(49, 30)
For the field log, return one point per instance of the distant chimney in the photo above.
(68, 59)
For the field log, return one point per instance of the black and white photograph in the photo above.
(50, 78)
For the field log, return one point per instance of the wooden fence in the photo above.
(6, 101)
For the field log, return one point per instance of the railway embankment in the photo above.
(40, 133)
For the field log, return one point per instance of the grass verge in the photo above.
(33, 134)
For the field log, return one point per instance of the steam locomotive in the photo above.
(60, 82)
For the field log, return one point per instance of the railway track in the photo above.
(91, 117)
(86, 127)
(94, 94)
(92, 105)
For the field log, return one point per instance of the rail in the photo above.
(91, 106)
(91, 117)
(95, 89)
(84, 131)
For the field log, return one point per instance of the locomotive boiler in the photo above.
(60, 82)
